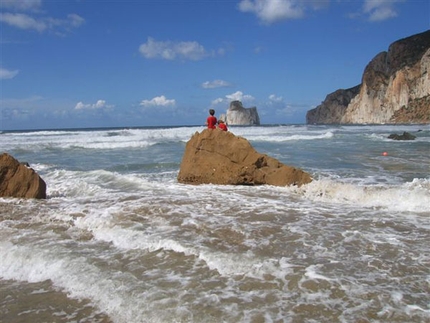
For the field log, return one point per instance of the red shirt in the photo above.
(222, 126)
(211, 122)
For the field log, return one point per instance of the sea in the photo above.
(119, 240)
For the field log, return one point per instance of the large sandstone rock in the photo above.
(239, 116)
(395, 88)
(220, 157)
(18, 180)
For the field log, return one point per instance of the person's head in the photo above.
(220, 121)
(211, 112)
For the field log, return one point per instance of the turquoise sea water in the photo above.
(120, 240)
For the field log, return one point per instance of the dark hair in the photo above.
(211, 112)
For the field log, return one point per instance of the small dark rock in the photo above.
(404, 136)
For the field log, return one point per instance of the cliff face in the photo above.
(333, 108)
(238, 115)
(395, 88)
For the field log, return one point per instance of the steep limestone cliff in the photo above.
(333, 108)
(395, 88)
(238, 115)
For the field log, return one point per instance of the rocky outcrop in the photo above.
(240, 116)
(18, 180)
(404, 136)
(395, 88)
(220, 157)
(417, 111)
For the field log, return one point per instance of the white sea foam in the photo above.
(104, 228)
(100, 139)
(119, 229)
(408, 197)
(74, 275)
(291, 137)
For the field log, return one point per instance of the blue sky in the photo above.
(94, 63)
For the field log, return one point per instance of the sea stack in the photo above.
(237, 115)
(220, 157)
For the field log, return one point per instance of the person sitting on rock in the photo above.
(222, 125)
(211, 120)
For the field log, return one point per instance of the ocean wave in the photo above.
(292, 137)
(91, 183)
(412, 196)
(97, 139)
(73, 274)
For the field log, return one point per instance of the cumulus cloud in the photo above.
(217, 101)
(21, 5)
(100, 104)
(238, 95)
(32, 21)
(158, 101)
(215, 84)
(23, 21)
(74, 20)
(274, 98)
(6, 74)
(379, 10)
(270, 11)
(170, 50)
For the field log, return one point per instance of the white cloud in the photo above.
(379, 10)
(239, 96)
(22, 5)
(274, 98)
(100, 104)
(40, 23)
(169, 50)
(74, 20)
(217, 101)
(158, 101)
(22, 21)
(270, 11)
(6, 74)
(215, 84)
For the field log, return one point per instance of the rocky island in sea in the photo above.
(395, 88)
(220, 157)
(238, 115)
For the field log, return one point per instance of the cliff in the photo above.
(395, 88)
(238, 115)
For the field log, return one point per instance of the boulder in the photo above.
(220, 157)
(18, 180)
(404, 136)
